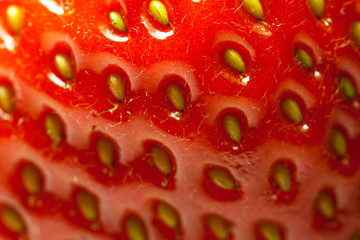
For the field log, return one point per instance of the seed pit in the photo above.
(159, 12)
(218, 226)
(87, 205)
(134, 228)
(15, 16)
(32, 179)
(12, 220)
(54, 128)
(7, 98)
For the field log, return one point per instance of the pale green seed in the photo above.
(158, 11)
(347, 88)
(234, 60)
(15, 16)
(63, 64)
(87, 205)
(167, 215)
(105, 151)
(254, 7)
(232, 127)
(161, 159)
(117, 21)
(54, 128)
(282, 177)
(304, 59)
(269, 231)
(291, 109)
(317, 7)
(116, 86)
(134, 229)
(325, 205)
(176, 96)
(7, 99)
(12, 220)
(221, 178)
(338, 143)
(355, 32)
(218, 227)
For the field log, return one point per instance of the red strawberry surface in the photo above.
(192, 119)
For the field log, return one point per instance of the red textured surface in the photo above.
(192, 57)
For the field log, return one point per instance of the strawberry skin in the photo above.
(232, 119)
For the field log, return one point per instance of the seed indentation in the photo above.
(167, 215)
(135, 229)
(161, 159)
(63, 64)
(158, 11)
(117, 21)
(31, 178)
(15, 16)
(325, 205)
(116, 86)
(12, 220)
(270, 231)
(176, 96)
(106, 151)
(87, 205)
(355, 32)
(291, 109)
(54, 128)
(338, 143)
(232, 127)
(218, 226)
(347, 88)
(317, 7)
(304, 59)
(221, 178)
(281, 175)
(254, 7)
(233, 59)
(7, 98)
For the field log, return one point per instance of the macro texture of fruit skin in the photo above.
(192, 119)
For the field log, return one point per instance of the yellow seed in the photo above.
(355, 32)
(161, 159)
(135, 229)
(63, 64)
(232, 127)
(269, 231)
(176, 96)
(117, 21)
(254, 7)
(158, 10)
(347, 88)
(325, 205)
(221, 178)
(292, 110)
(282, 177)
(7, 99)
(338, 143)
(167, 215)
(317, 7)
(54, 128)
(304, 59)
(355, 237)
(31, 178)
(218, 227)
(87, 205)
(15, 16)
(12, 220)
(105, 151)
(234, 60)
(116, 85)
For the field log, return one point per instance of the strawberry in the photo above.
(193, 119)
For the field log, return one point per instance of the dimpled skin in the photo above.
(201, 165)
